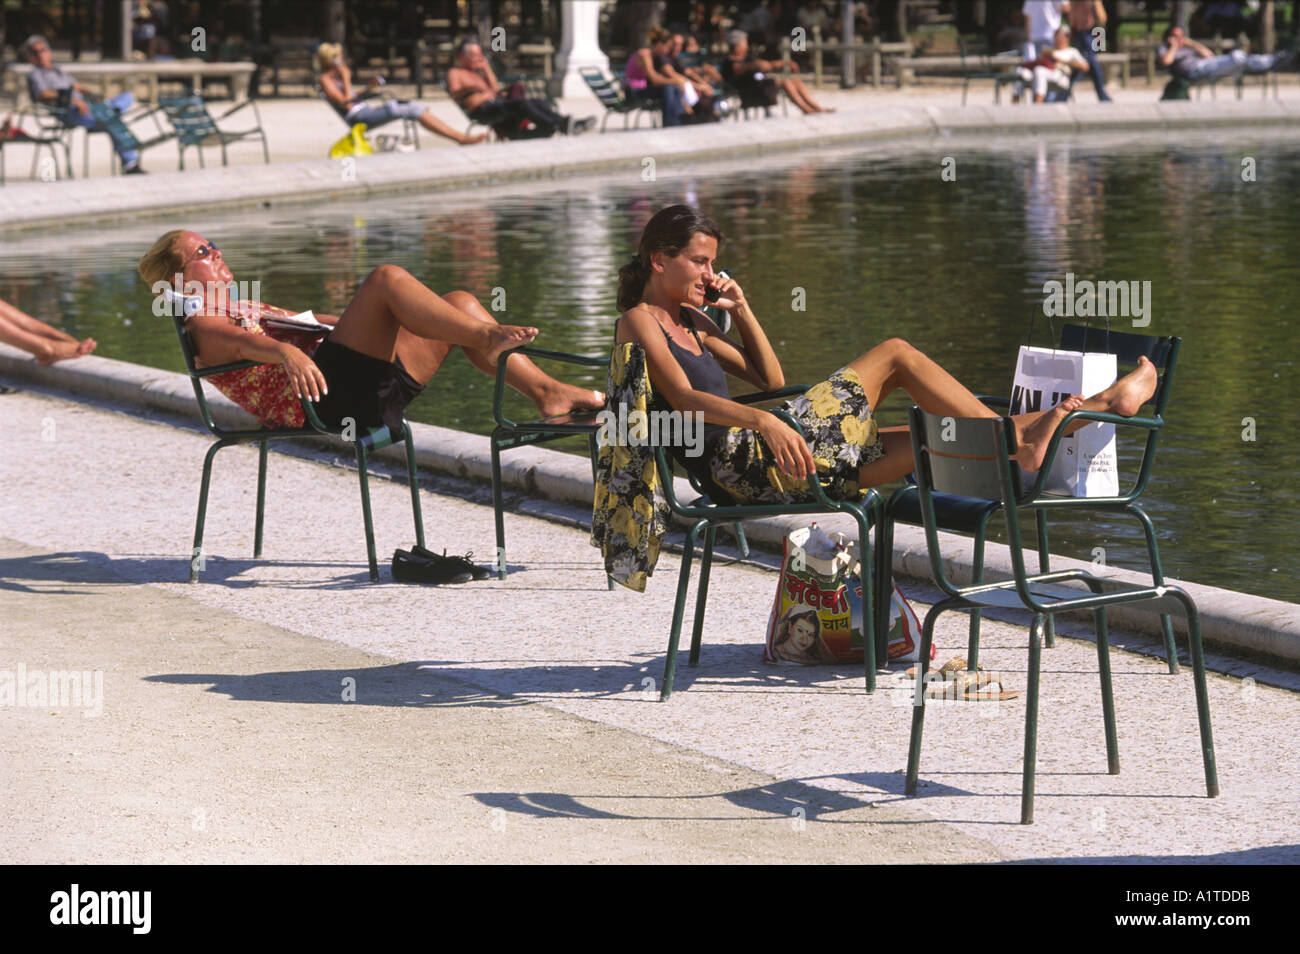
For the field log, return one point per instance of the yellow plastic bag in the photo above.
(353, 144)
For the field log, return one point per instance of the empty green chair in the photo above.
(614, 98)
(364, 444)
(195, 126)
(974, 458)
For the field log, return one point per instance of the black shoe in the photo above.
(410, 568)
(582, 125)
(461, 563)
(134, 170)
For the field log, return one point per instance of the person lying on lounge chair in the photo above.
(336, 83)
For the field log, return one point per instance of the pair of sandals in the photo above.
(955, 680)
(419, 565)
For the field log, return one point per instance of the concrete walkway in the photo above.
(224, 733)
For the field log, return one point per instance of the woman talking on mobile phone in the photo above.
(751, 454)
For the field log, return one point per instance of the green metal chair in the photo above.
(364, 444)
(195, 126)
(972, 458)
(976, 64)
(112, 123)
(510, 433)
(717, 508)
(967, 515)
(612, 96)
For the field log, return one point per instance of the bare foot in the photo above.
(473, 140)
(825, 109)
(62, 350)
(504, 338)
(1133, 390)
(564, 398)
(1033, 440)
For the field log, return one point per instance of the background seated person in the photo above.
(1193, 63)
(46, 82)
(748, 75)
(1053, 69)
(391, 339)
(474, 87)
(336, 83)
(705, 107)
(647, 76)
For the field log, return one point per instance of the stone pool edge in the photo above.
(88, 201)
(1261, 628)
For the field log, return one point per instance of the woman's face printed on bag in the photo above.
(803, 633)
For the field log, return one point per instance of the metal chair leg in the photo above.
(1158, 579)
(261, 500)
(875, 645)
(365, 511)
(1044, 566)
(977, 576)
(1202, 694)
(702, 595)
(196, 556)
(918, 700)
(1031, 723)
(1107, 693)
(683, 582)
(415, 484)
(496, 508)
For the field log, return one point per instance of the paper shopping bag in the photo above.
(1085, 463)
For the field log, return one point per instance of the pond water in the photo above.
(945, 242)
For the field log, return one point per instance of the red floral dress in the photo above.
(265, 391)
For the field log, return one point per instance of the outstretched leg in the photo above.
(391, 300)
(552, 397)
(436, 125)
(895, 364)
(38, 339)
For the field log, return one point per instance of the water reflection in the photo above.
(881, 246)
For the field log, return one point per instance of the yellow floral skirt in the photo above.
(841, 433)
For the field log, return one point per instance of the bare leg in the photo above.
(552, 397)
(38, 339)
(799, 95)
(896, 364)
(436, 125)
(391, 299)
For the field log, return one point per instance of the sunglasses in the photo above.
(203, 251)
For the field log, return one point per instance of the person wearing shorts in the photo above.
(379, 354)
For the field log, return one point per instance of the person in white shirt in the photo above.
(1053, 69)
(1042, 20)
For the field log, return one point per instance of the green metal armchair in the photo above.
(973, 458)
(195, 126)
(364, 444)
(509, 433)
(716, 508)
(971, 515)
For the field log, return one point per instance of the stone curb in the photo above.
(36, 206)
(1229, 620)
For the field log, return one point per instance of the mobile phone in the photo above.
(712, 294)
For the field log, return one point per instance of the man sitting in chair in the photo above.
(48, 84)
(473, 86)
(1192, 62)
(1050, 74)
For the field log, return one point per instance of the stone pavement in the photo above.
(225, 734)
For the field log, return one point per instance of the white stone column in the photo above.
(579, 46)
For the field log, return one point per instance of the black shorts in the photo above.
(371, 391)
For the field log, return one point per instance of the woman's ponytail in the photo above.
(631, 283)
